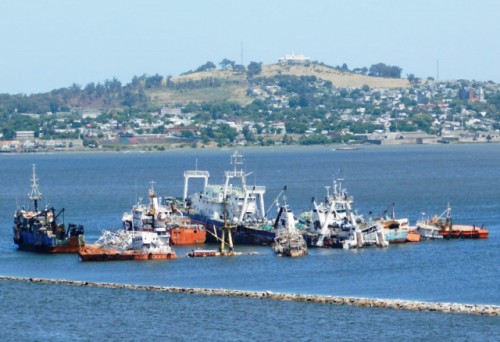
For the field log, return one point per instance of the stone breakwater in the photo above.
(396, 304)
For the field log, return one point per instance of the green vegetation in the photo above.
(276, 108)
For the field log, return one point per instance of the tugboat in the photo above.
(39, 230)
(288, 241)
(241, 205)
(162, 212)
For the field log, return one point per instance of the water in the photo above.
(96, 188)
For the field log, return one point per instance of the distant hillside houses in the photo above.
(25, 135)
(170, 111)
(90, 113)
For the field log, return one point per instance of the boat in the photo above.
(335, 224)
(430, 228)
(163, 212)
(129, 245)
(413, 236)
(439, 227)
(395, 229)
(201, 253)
(288, 241)
(40, 230)
(465, 232)
(241, 205)
(327, 220)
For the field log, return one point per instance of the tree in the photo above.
(226, 63)
(254, 68)
(249, 136)
(208, 66)
(90, 88)
(422, 121)
(382, 70)
(154, 81)
(238, 68)
(413, 79)
(187, 134)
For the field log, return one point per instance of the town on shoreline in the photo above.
(294, 102)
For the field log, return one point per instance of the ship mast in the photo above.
(35, 194)
(236, 160)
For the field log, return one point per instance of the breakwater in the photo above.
(396, 304)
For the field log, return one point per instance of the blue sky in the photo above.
(49, 44)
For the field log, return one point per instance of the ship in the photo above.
(240, 205)
(40, 230)
(439, 227)
(335, 224)
(120, 245)
(163, 213)
(288, 241)
(395, 229)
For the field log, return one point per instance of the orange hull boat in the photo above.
(96, 253)
(465, 232)
(69, 246)
(413, 236)
(187, 235)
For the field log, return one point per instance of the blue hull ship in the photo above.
(39, 230)
(236, 205)
(242, 234)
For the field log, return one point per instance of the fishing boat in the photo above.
(129, 245)
(241, 205)
(395, 229)
(288, 241)
(439, 227)
(430, 228)
(334, 223)
(40, 230)
(163, 213)
(328, 225)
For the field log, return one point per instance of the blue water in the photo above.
(96, 188)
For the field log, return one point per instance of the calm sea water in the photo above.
(96, 188)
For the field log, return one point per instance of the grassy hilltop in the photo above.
(233, 86)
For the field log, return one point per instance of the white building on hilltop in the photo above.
(294, 59)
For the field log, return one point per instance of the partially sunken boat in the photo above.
(288, 241)
(335, 224)
(439, 227)
(129, 245)
(163, 213)
(40, 230)
(395, 229)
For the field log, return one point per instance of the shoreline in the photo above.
(145, 149)
(395, 304)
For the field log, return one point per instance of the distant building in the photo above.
(294, 59)
(90, 113)
(171, 111)
(25, 135)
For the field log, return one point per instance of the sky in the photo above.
(51, 44)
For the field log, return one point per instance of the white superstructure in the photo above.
(239, 202)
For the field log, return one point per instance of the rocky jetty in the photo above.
(396, 304)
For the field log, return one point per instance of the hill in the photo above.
(339, 79)
(233, 86)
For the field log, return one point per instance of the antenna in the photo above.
(437, 70)
(241, 52)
